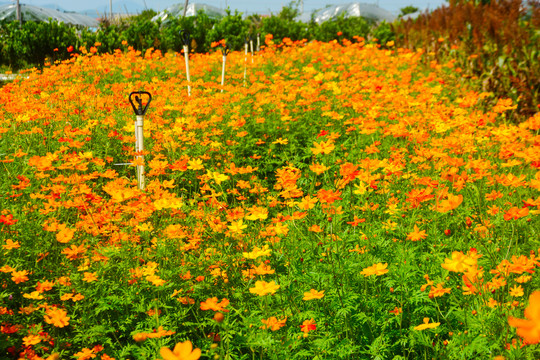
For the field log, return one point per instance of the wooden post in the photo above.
(19, 17)
(185, 7)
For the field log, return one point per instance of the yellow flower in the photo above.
(324, 147)
(361, 188)
(155, 280)
(195, 164)
(377, 269)
(257, 213)
(516, 290)
(426, 325)
(523, 279)
(182, 351)
(313, 294)
(281, 141)
(218, 177)
(257, 252)
(263, 288)
(459, 262)
(34, 295)
(237, 226)
(10, 244)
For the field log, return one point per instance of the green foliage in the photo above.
(347, 28)
(145, 15)
(383, 33)
(34, 42)
(143, 34)
(283, 28)
(232, 28)
(198, 27)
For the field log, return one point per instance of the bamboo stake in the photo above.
(245, 60)
(224, 51)
(185, 39)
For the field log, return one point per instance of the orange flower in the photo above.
(19, 276)
(308, 325)
(516, 213)
(438, 291)
(396, 311)
(31, 340)
(529, 329)
(307, 203)
(416, 234)
(212, 304)
(452, 202)
(74, 252)
(273, 323)
(328, 196)
(318, 168)
(90, 277)
(182, 351)
(44, 286)
(57, 317)
(85, 354)
(65, 235)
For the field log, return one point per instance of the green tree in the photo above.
(408, 10)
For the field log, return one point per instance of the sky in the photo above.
(246, 6)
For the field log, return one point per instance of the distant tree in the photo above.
(408, 10)
(146, 14)
(289, 12)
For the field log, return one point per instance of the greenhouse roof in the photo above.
(368, 11)
(177, 10)
(34, 13)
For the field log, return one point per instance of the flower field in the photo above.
(340, 201)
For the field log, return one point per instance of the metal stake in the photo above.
(139, 123)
